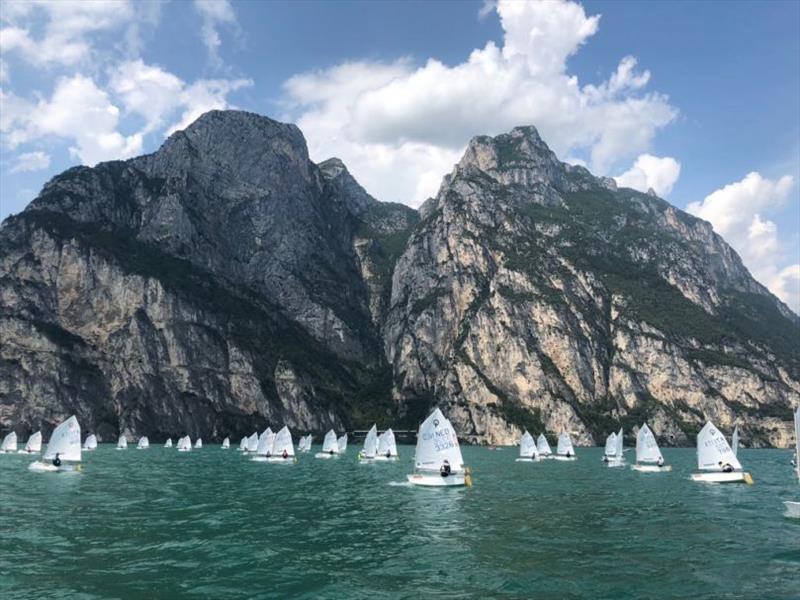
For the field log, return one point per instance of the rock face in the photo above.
(226, 282)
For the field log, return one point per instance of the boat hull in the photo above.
(27, 452)
(385, 459)
(42, 467)
(719, 477)
(325, 455)
(281, 460)
(436, 480)
(615, 464)
(792, 509)
(523, 459)
(564, 458)
(184, 449)
(651, 468)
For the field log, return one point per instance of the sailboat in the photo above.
(9, 445)
(543, 447)
(33, 445)
(342, 443)
(735, 441)
(793, 508)
(226, 443)
(305, 443)
(143, 444)
(527, 448)
(185, 444)
(168, 443)
(618, 459)
(243, 444)
(370, 448)
(648, 456)
(564, 450)
(437, 460)
(63, 451)
(122, 443)
(716, 459)
(282, 447)
(610, 452)
(330, 446)
(252, 443)
(387, 447)
(90, 443)
(264, 448)
(198, 444)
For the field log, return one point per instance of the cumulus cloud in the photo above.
(736, 212)
(30, 161)
(651, 172)
(214, 13)
(388, 118)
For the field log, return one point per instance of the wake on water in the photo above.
(399, 484)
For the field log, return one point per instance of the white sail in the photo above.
(329, 444)
(9, 443)
(647, 450)
(243, 444)
(122, 442)
(307, 443)
(65, 441)
(34, 443)
(265, 441)
(620, 445)
(386, 444)
(342, 443)
(797, 441)
(527, 447)
(226, 443)
(735, 441)
(198, 444)
(252, 442)
(611, 445)
(564, 447)
(283, 443)
(91, 442)
(542, 446)
(371, 443)
(168, 443)
(437, 442)
(713, 451)
(143, 443)
(185, 443)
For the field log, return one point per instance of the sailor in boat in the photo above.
(56, 460)
(285, 454)
(330, 452)
(569, 454)
(660, 462)
(445, 470)
(726, 468)
(388, 453)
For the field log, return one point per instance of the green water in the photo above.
(213, 524)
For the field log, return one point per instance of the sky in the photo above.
(698, 100)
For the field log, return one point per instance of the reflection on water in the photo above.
(211, 523)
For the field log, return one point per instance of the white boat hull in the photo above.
(27, 452)
(720, 477)
(184, 449)
(564, 458)
(280, 460)
(43, 467)
(385, 459)
(615, 464)
(521, 459)
(436, 480)
(792, 509)
(325, 455)
(651, 468)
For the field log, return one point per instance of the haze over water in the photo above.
(211, 523)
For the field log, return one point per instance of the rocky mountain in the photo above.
(226, 282)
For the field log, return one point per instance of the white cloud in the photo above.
(68, 28)
(30, 161)
(650, 171)
(736, 211)
(386, 119)
(147, 90)
(204, 95)
(214, 13)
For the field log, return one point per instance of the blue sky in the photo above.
(700, 101)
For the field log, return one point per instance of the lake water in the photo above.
(213, 524)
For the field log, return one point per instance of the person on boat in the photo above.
(445, 470)
(330, 451)
(56, 460)
(660, 462)
(726, 468)
(388, 454)
(285, 454)
(569, 454)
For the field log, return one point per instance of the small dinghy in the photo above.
(735, 441)
(243, 445)
(716, 459)
(63, 451)
(387, 447)
(330, 446)
(543, 447)
(198, 444)
(648, 454)
(90, 443)
(185, 444)
(370, 448)
(610, 452)
(168, 443)
(618, 458)
(527, 448)
(264, 448)
(305, 443)
(282, 448)
(33, 445)
(143, 444)
(252, 443)
(793, 508)
(9, 445)
(437, 460)
(564, 450)
(122, 443)
(342, 443)
(226, 443)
